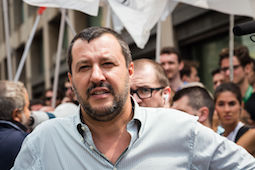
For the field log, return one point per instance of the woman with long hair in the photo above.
(228, 106)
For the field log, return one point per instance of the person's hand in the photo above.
(215, 121)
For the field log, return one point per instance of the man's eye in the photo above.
(144, 90)
(84, 67)
(108, 64)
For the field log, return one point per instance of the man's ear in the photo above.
(181, 65)
(204, 113)
(70, 78)
(16, 115)
(131, 69)
(248, 68)
(166, 96)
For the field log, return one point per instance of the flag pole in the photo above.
(158, 41)
(59, 49)
(108, 16)
(7, 40)
(231, 46)
(70, 25)
(28, 44)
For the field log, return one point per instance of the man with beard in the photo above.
(110, 130)
(14, 117)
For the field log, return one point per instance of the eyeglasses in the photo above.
(144, 93)
(224, 69)
(67, 88)
(48, 98)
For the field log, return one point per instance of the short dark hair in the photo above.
(60, 94)
(187, 68)
(35, 102)
(241, 53)
(92, 33)
(228, 87)
(249, 106)
(198, 97)
(159, 71)
(253, 64)
(215, 71)
(171, 50)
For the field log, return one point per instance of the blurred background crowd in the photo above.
(192, 73)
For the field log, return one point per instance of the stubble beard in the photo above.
(239, 82)
(104, 113)
(24, 120)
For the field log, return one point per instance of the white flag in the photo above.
(86, 6)
(235, 7)
(138, 16)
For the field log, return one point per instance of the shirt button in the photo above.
(83, 128)
(91, 147)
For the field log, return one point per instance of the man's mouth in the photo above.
(99, 92)
(100, 89)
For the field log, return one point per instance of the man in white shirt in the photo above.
(110, 130)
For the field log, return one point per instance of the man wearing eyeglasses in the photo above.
(149, 84)
(241, 61)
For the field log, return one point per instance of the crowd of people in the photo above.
(122, 114)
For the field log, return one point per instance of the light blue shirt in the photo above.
(160, 139)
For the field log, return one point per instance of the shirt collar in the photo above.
(14, 124)
(139, 117)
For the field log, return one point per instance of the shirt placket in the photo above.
(89, 143)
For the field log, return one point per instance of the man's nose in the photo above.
(227, 72)
(166, 66)
(97, 74)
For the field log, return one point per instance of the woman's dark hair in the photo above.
(228, 87)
